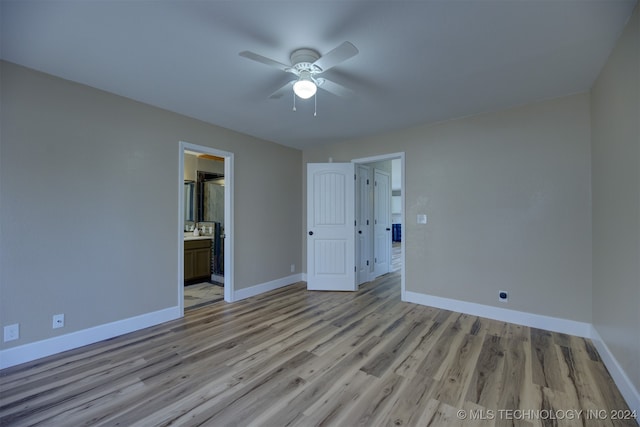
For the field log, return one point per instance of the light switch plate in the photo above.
(422, 218)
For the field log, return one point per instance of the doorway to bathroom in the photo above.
(205, 226)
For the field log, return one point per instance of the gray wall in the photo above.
(615, 115)
(89, 205)
(507, 195)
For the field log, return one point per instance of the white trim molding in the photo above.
(240, 294)
(32, 351)
(403, 185)
(555, 324)
(620, 377)
(228, 217)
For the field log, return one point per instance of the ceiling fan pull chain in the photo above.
(294, 101)
(315, 104)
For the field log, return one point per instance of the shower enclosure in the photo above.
(210, 213)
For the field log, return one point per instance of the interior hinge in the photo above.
(367, 262)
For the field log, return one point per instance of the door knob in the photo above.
(388, 229)
(359, 231)
(311, 233)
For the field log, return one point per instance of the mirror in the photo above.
(210, 196)
(189, 198)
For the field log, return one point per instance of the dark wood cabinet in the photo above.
(197, 260)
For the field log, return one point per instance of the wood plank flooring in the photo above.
(297, 358)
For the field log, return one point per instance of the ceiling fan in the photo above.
(307, 65)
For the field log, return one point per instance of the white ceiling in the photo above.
(419, 61)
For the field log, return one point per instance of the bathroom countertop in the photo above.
(189, 236)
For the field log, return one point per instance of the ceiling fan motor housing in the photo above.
(303, 59)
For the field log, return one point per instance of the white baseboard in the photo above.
(32, 351)
(240, 294)
(556, 324)
(620, 377)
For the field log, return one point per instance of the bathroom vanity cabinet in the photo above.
(197, 260)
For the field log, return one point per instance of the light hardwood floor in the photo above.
(293, 357)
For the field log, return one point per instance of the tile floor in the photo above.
(201, 294)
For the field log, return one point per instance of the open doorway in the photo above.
(205, 272)
(380, 247)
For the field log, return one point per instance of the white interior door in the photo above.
(330, 227)
(382, 223)
(364, 253)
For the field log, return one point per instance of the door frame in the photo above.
(228, 218)
(391, 156)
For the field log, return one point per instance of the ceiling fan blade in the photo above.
(335, 88)
(288, 87)
(264, 60)
(341, 53)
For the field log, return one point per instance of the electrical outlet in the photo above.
(58, 321)
(11, 332)
(503, 296)
(293, 268)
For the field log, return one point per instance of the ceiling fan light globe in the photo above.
(304, 89)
